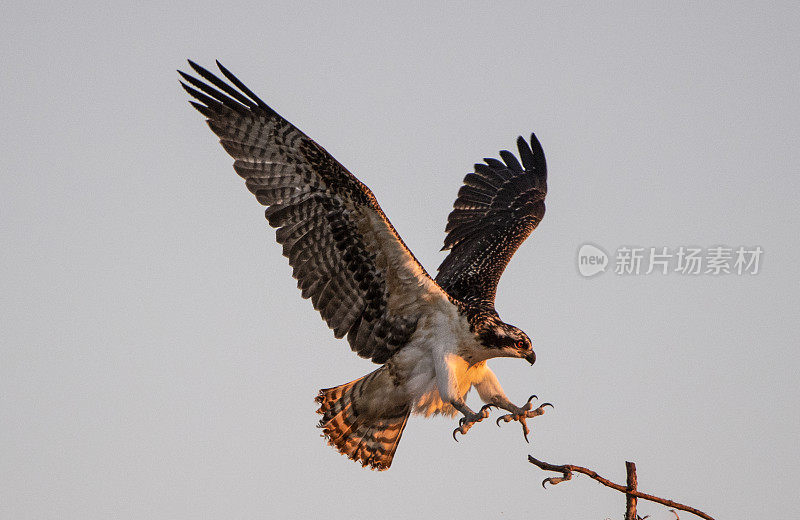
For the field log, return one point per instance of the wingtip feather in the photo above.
(511, 161)
(241, 86)
(532, 154)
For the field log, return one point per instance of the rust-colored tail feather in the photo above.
(369, 440)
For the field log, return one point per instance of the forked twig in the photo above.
(631, 493)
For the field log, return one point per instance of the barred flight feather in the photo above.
(349, 427)
(325, 218)
(498, 206)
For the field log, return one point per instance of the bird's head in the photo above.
(508, 341)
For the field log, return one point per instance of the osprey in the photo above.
(432, 337)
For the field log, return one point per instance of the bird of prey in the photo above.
(432, 337)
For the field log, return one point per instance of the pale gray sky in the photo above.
(156, 360)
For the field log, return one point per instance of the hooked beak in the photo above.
(530, 357)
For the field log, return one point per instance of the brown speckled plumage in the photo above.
(432, 337)
(498, 206)
(316, 206)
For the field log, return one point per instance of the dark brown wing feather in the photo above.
(498, 206)
(345, 254)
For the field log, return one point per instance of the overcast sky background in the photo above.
(156, 360)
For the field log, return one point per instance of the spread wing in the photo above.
(345, 254)
(498, 206)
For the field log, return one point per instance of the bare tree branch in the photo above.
(630, 491)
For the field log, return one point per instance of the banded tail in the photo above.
(354, 424)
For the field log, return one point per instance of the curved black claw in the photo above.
(465, 423)
(526, 412)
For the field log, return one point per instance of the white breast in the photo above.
(440, 335)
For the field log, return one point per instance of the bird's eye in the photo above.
(520, 343)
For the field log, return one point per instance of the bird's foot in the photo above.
(466, 422)
(521, 414)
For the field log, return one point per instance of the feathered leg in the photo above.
(447, 383)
